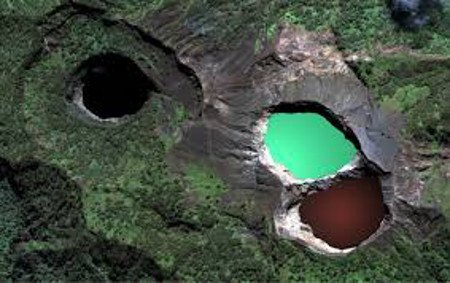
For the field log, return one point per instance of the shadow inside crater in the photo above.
(114, 86)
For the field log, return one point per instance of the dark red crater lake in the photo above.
(347, 213)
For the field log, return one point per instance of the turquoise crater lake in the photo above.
(307, 144)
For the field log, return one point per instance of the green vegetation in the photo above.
(44, 235)
(204, 183)
(438, 186)
(220, 248)
(33, 9)
(405, 98)
(416, 87)
(99, 152)
(134, 10)
(358, 25)
(126, 182)
(405, 261)
(19, 40)
(10, 225)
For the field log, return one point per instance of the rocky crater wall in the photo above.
(297, 68)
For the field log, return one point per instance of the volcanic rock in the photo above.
(240, 87)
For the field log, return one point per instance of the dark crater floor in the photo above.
(114, 86)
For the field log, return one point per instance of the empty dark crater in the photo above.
(347, 213)
(113, 86)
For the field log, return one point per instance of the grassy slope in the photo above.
(129, 194)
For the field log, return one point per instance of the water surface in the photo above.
(307, 144)
(346, 214)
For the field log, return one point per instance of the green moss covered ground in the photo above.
(102, 199)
